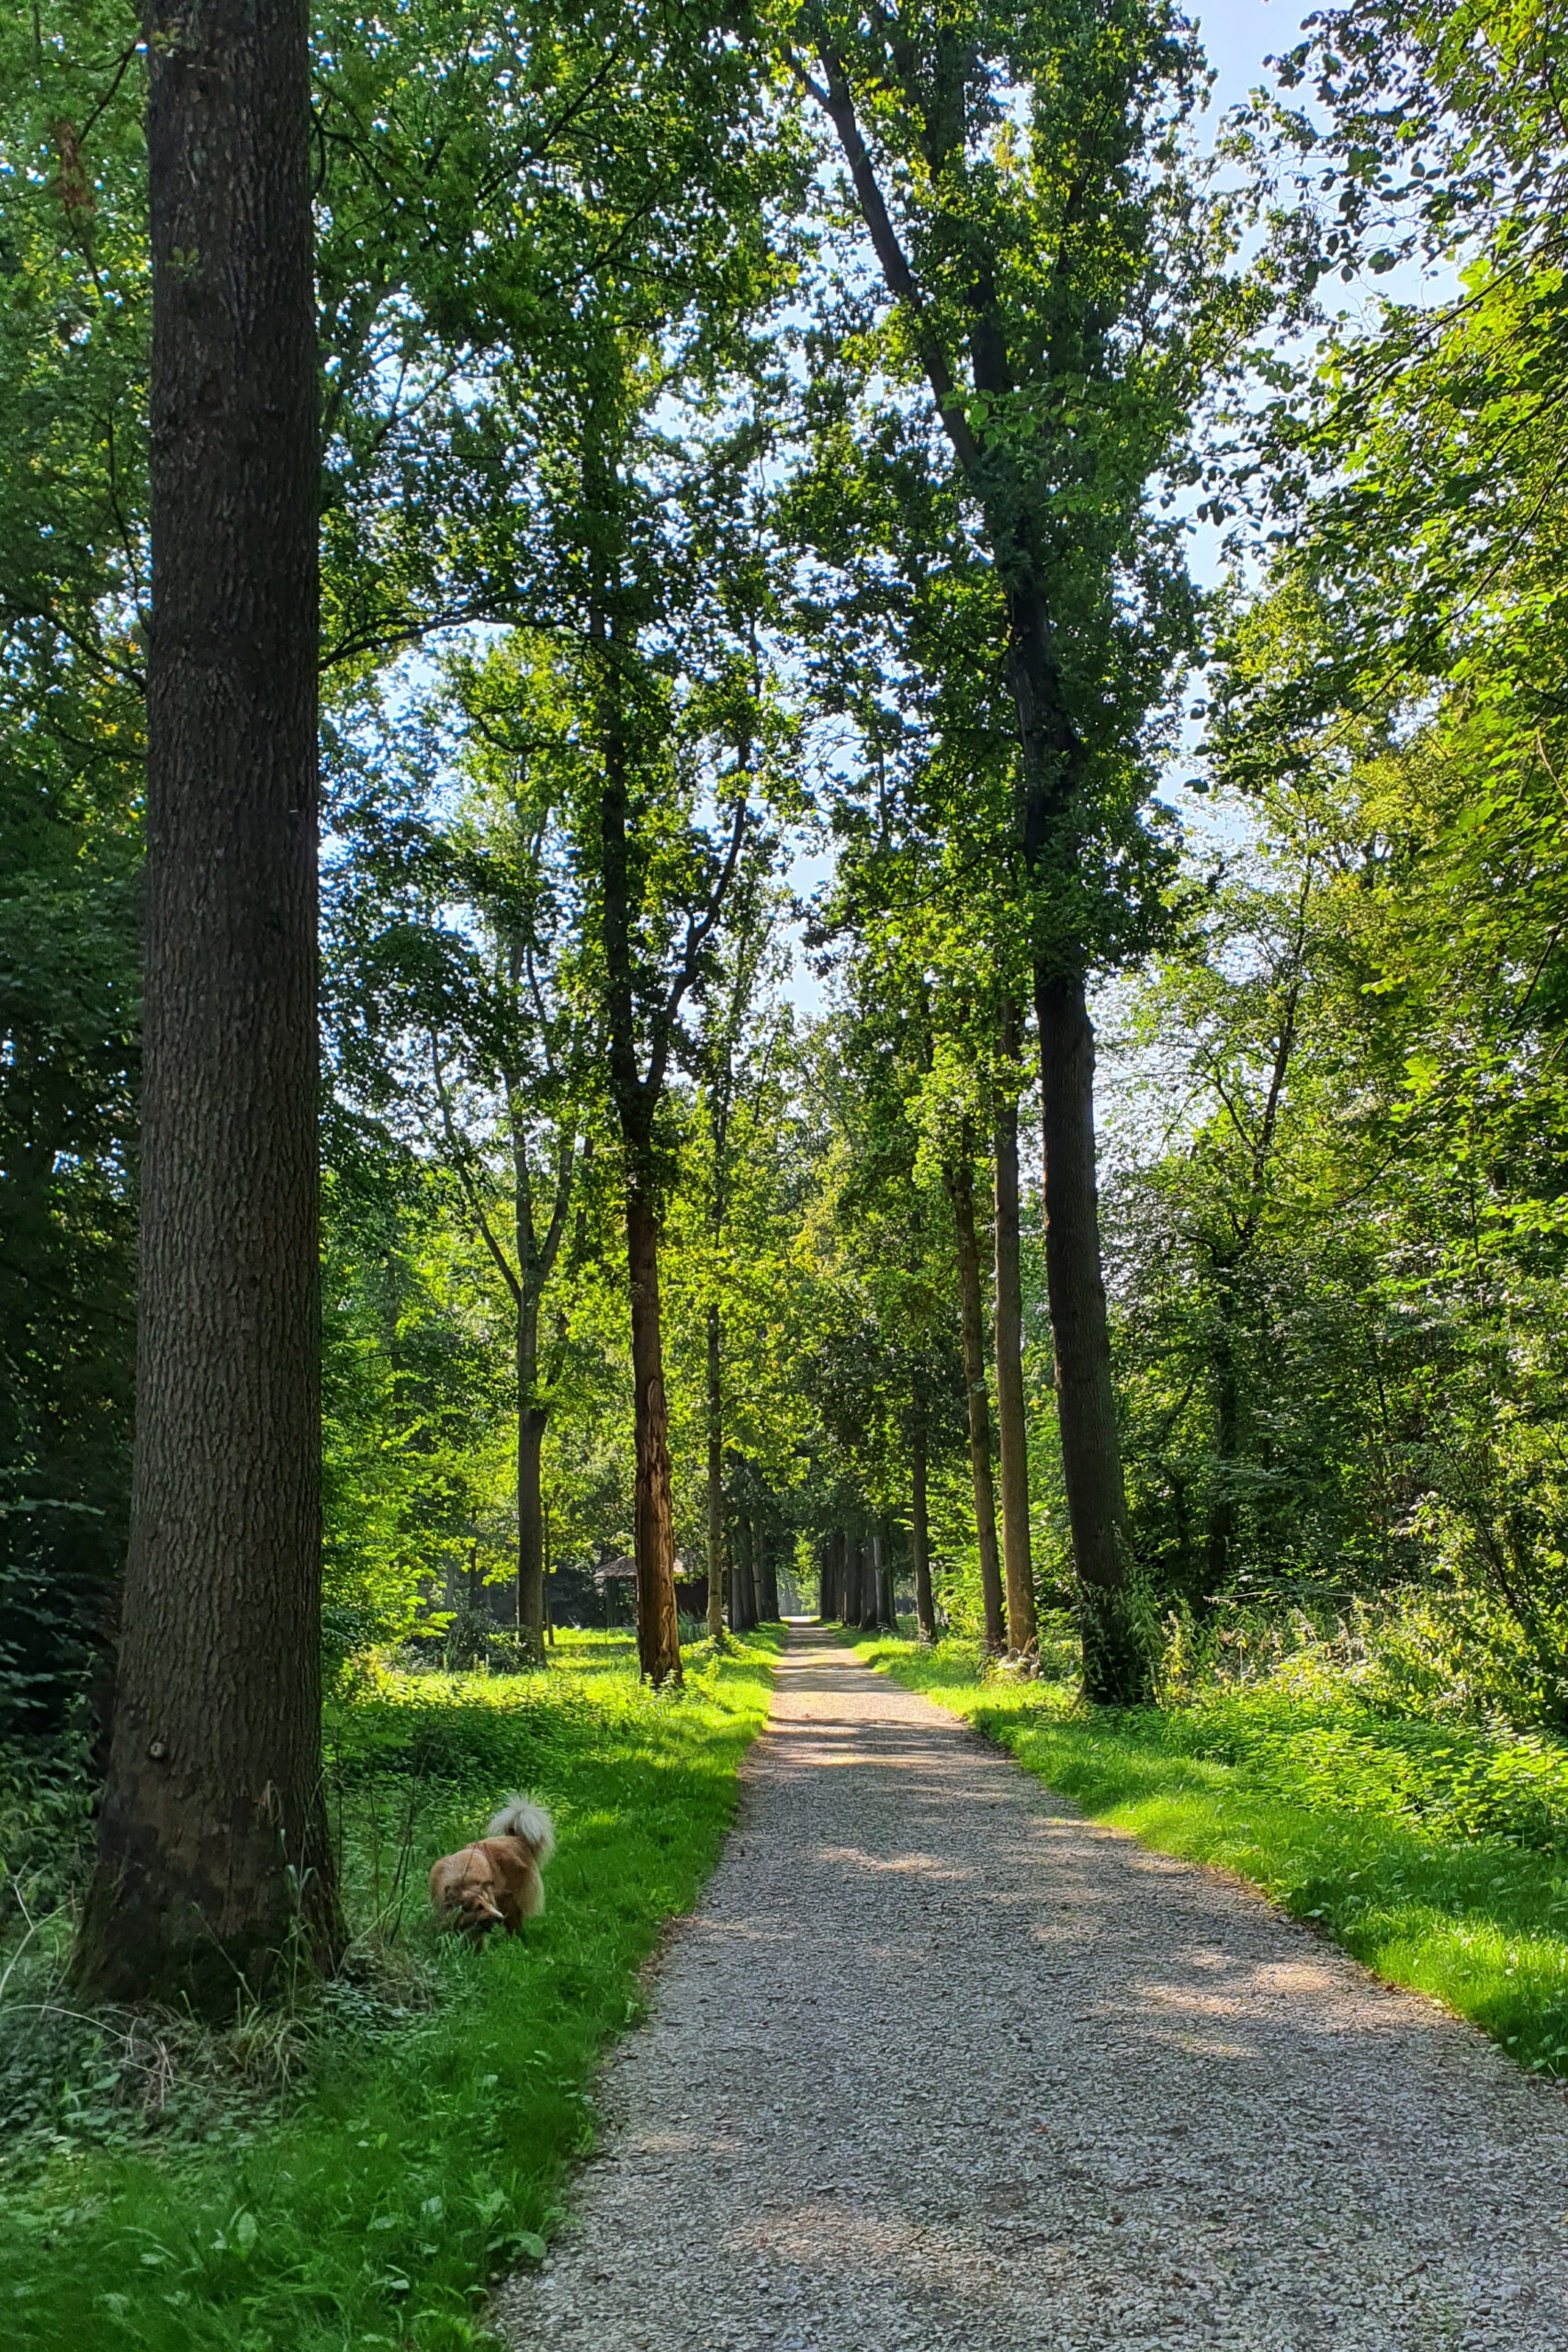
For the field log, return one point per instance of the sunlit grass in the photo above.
(1438, 1856)
(428, 2147)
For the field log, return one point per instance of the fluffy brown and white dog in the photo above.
(495, 1883)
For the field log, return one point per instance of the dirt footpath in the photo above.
(939, 2065)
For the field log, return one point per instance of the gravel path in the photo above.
(938, 2065)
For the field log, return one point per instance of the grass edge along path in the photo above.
(377, 2211)
(1479, 1924)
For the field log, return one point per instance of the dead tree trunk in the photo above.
(960, 1179)
(212, 1858)
(1011, 1429)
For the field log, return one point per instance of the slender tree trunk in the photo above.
(961, 1193)
(767, 1581)
(1116, 1665)
(658, 1632)
(716, 1478)
(825, 1579)
(866, 1559)
(840, 1575)
(212, 1858)
(531, 1423)
(1054, 769)
(743, 1603)
(1013, 1461)
(887, 1614)
(920, 1534)
(1221, 1506)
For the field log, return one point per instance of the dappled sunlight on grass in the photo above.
(1437, 1855)
(427, 2151)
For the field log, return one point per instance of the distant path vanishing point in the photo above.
(938, 2064)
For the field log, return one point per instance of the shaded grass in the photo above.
(420, 2161)
(1438, 1856)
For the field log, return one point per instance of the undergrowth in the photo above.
(353, 2170)
(1436, 1853)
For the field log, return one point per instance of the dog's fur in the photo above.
(495, 1881)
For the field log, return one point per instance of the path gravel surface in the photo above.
(937, 2064)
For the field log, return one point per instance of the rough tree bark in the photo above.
(1013, 1451)
(212, 1859)
(1115, 1657)
(960, 1181)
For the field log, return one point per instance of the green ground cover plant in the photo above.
(1437, 1853)
(353, 2173)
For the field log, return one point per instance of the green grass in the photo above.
(1437, 1854)
(441, 2104)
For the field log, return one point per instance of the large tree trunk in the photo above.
(1013, 1457)
(919, 1535)
(961, 1193)
(716, 1478)
(658, 1631)
(1116, 1666)
(212, 1858)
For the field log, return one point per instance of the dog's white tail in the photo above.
(520, 1818)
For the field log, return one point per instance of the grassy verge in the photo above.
(1437, 1854)
(442, 2093)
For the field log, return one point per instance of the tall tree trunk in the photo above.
(1054, 773)
(866, 1556)
(1222, 1505)
(658, 1631)
(840, 1575)
(1013, 1459)
(213, 1857)
(887, 1614)
(743, 1601)
(960, 1176)
(767, 1580)
(531, 1422)
(920, 1534)
(716, 1478)
(1116, 1663)
(825, 1579)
